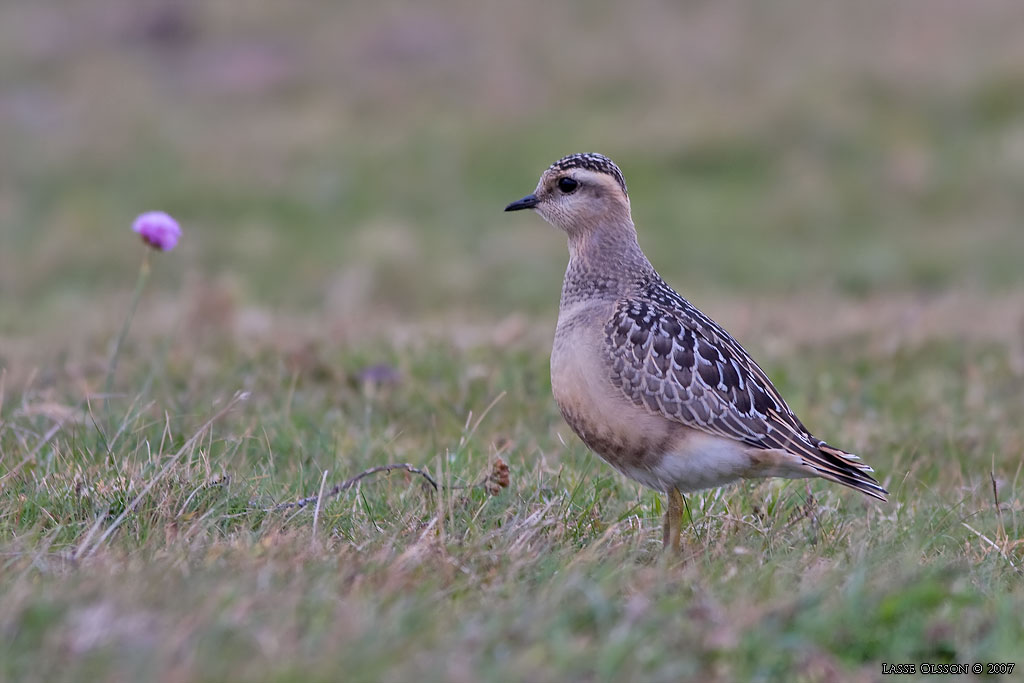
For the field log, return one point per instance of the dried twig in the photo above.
(493, 482)
(995, 499)
(349, 483)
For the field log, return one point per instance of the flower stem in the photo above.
(140, 284)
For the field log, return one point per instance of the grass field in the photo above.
(841, 185)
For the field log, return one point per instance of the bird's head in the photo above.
(578, 193)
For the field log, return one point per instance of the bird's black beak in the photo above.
(527, 202)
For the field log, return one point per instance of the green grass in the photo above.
(846, 202)
(558, 576)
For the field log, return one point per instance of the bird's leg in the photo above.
(670, 534)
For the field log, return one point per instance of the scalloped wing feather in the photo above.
(667, 356)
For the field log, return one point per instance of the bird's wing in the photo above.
(672, 359)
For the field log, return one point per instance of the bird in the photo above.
(649, 383)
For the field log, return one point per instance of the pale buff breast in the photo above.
(625, 435)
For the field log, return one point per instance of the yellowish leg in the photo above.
(671, 531)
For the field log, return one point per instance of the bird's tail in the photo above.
(844, 468)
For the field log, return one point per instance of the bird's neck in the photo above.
(604, 262)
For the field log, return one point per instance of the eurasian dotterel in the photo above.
(650, 383)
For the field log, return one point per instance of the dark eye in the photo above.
(567, 185)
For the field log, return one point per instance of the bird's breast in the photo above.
(625, 435)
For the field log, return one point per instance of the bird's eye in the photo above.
(567, 185)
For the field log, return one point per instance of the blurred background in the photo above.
(343, 166)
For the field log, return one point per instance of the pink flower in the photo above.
(157, 229)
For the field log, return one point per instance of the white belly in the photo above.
(694, 462)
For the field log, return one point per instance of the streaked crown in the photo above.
(598, 163)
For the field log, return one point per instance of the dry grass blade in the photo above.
(84, 551)
(316, 510)
(52, 432)
(992, 544)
